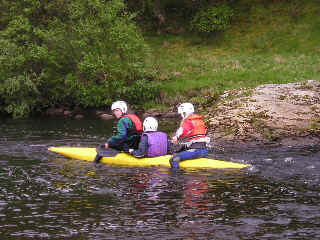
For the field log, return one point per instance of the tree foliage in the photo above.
(79, 52)
(163, 13)
(212, 19)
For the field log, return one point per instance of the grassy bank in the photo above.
(267, 43)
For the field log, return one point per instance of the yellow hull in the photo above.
(88, 154)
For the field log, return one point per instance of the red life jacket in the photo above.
(199, 129)
(136, 121)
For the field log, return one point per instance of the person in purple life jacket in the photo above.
(153, 143)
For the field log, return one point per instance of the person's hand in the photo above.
(106, 145)
(131, 150)
(174, 140)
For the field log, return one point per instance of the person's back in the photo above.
(153, 143)
(128, 133)
(129, 129)
(192, 135)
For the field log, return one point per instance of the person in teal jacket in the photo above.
(129, 129)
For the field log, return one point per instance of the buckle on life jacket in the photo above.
(198, 145)
(195, 136)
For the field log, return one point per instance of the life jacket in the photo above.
(137, 128)
(157, 142)
(199, 128)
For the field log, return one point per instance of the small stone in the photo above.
(106, 116)
(78, 116)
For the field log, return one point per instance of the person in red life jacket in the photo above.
(129, 129)
(191, 134)
(153, 143)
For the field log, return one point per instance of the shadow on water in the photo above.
(44, 195)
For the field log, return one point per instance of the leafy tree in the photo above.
(212, 19)
(76, 52)
(162, 13)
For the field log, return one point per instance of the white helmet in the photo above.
(120, 105)
(150, 124)
(185, 109)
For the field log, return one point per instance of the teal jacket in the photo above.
(125, 129)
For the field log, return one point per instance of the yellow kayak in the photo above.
(88, 154)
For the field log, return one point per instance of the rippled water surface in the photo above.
(44, 195)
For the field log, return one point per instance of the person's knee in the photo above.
(97, 158)
(174, 162)
(204, 152)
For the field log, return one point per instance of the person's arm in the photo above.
(169, 146)
(143, 148)
(183, 131)
(122, 129)
(179, 132)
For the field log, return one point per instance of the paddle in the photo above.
(105, 152)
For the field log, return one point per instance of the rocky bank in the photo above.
(287, 114)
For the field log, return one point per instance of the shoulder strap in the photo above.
(136, 121)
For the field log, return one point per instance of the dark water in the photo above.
(47, 196)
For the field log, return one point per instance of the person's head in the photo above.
(119, 108)
(150, 124)
(185, 109)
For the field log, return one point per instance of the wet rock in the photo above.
(310, 140)
(160, 114)
(152, 113)
(100, 112)
(55, 111)
(267, 113)
(106, 116)
(78, 116)
(67, 113)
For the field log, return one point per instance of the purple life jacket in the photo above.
(158, 143)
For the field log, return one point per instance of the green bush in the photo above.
(212, 19)
(141, 92)
(79, 52)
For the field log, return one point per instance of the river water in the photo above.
(44, 195)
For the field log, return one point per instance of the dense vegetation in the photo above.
(90, 52)
(78, 52)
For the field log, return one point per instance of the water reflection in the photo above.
(46, 196)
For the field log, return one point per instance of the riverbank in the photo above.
(277, 114)
(270, 114)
